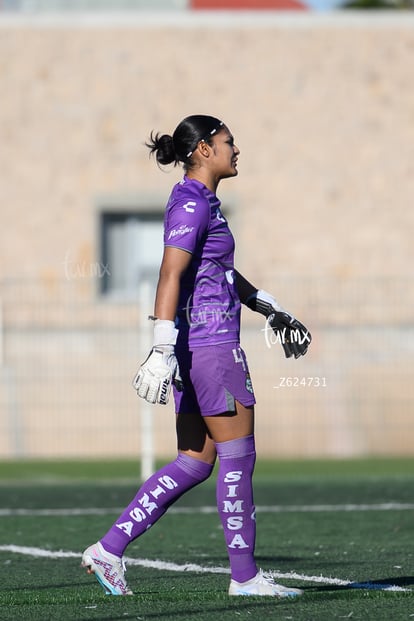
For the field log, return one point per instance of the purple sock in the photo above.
(235, 504)
(160, 491)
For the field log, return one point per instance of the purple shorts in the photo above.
(214, 377)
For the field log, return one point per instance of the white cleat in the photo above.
(108, 569)
(262, 584)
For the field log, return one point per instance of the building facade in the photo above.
(321, 108)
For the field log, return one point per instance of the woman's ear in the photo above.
(203, 148)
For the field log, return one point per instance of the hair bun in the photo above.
(163, 147)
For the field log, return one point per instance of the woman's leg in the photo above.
(233, 433)
(153, 499)
(193, 465)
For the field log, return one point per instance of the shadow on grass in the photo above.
(383, 584)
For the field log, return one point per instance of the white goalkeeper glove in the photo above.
(291, 333)
(156, 375)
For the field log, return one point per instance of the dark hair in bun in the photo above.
(180, 146)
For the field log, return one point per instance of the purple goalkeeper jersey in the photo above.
(209, 306)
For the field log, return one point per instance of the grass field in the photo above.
(342, 531)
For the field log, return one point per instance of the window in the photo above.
(131, 250)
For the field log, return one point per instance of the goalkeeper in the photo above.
(196, 352)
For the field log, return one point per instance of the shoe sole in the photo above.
(281, 595)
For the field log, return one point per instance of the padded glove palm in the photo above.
(156, 375)
(160, 370)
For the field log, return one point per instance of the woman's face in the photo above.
(225, 154)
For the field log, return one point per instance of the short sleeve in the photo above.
(186, 222)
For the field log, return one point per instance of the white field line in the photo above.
(387, 506)
(192, 567)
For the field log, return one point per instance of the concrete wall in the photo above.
(322, 110)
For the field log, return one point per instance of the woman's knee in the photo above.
(199, 469)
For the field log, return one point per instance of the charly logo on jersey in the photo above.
(182, 230)
(189, 206)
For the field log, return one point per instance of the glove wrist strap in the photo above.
(262, 302)
(165, 332)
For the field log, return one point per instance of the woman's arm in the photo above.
(293, 335)
(174, 263)
(244, 288)
(155, 376)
